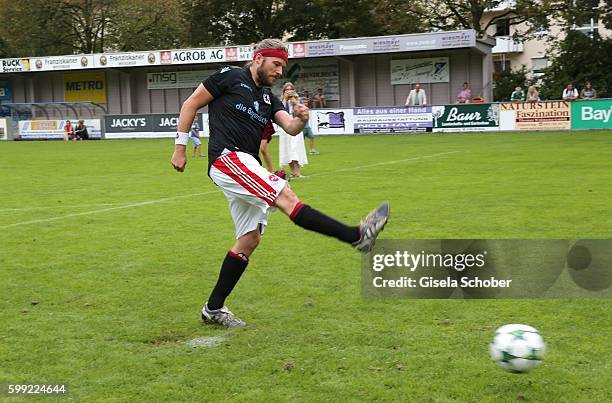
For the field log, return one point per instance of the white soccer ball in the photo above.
(517, 348)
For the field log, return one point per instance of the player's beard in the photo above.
(263, 78)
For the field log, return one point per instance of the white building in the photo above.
(511, 54)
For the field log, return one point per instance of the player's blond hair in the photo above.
(268, 43)
(271, 43)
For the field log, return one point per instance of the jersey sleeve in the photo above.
(220, 81)
(277, 105)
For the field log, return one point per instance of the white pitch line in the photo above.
(146, 203)
(18, 209)
(388, 163)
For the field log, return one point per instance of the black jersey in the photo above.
(239, 112)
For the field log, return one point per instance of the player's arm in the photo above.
(292, 126)
(199, 99)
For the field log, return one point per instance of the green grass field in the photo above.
(118, 252)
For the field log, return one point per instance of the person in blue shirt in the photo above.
(194, 135)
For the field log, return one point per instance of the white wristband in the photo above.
(181, 138)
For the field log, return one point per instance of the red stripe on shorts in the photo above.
(266, 187)
(237, 173)
(243, 172)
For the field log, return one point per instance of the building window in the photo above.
(502, 27)
(588, 14)
(501, 65)
(538, 65)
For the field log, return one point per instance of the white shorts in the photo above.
(249, 188)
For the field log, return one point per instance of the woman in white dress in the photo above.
(291, 149)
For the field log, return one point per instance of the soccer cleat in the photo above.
(222, 316)
(371, 226)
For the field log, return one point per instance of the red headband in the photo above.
(280, 53)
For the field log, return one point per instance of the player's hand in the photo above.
(301, 111)
(179, 159)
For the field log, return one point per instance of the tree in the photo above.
(507, 80)
(578, 56)
(577, 59)
(395, 17)
(322, 19)
(147, 24)
(33, 28)
(59, 27)
(4, 49)
(213, 22)
(249, 21)
(468, 14)
(606, 13)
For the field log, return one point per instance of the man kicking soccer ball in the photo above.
(240, 103)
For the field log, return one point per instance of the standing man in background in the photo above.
(194, 135)
(416, 97)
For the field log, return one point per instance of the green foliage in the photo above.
(606, 13)
(212, 22)
(57, 27)
(119, 270)
(578, 59)
(245, 22)
(507, 80)
(527, 15)
(147, 24)
(4, 49)
(34, 28)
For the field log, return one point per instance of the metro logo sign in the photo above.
(85, 87)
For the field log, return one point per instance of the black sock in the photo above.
(232, 268)
(313, 220)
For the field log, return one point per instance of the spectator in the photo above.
(194, 135)
(80, 132)
(465, 95)
(266, 138)
(291, 149)
(518, 95)
(305, 100)
(68, 131)
(570, 93)
(533, 95)
(318, 100)
(416, 97)
(288, 86)
(588, 92)
(308, 133)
